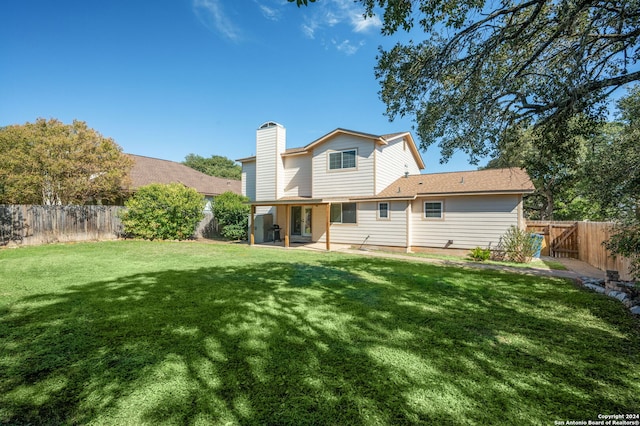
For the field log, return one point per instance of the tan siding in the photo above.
(297, 172)
(390, 163)
(318, 223)
(270, 142)
(343, 183)
(281, 146)
(265, 165)
(249, 180)
(468, 221)
(280, 217)
(380, 232)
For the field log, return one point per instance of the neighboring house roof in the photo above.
(147, 170)
(489, 181)
(379, 139)
(246, 159)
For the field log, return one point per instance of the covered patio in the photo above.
(312, 218)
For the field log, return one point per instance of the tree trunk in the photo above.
(547, 213)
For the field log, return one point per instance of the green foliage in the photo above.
(596, 178)
(571, 205)
(232, 213)
(234, 232)
(554, 159)
(52, 163)
(507, 65)
(519, 246)
(164, 212)
(612, 174)
(615, 181)
(482, 68)
(480, 254)
(625, 241)
(215, 165)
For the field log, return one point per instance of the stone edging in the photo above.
(627, 293)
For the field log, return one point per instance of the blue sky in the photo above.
(166, 78)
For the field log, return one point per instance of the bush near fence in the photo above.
(589, 247)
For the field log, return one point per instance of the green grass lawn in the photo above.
(135, 332)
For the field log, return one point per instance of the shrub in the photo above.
(232, 214)
(625, 241)
(163, 211)
(480, 254)
(234, 232)
(518, 245)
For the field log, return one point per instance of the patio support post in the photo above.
(252, 239)
(328, 226)
(287, 220)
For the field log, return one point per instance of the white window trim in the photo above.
(424, 210)
(355, 151)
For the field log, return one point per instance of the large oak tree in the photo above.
(613, 170)
(484, 67)
(555, 176)
(49, 162)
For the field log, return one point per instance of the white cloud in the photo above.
(347, 47)
(308, 30)
(348, 11)
(361, 24)
(269, 12)
(212, 15)
(322, 20)
(330, 17)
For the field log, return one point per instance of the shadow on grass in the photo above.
(352, 341)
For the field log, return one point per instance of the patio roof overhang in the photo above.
(288, 203)
(297, 201)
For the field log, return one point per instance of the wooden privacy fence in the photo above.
(32, 225)
(580, 240)
(560, 238)
(595, 253)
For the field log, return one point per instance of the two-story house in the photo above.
(351, 187)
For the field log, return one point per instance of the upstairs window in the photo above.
(342, 160)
